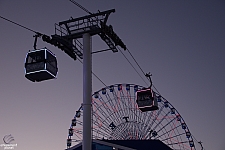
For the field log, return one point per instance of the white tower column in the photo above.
(87, 92)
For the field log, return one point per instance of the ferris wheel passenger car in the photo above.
(40, 65)
(146, 100)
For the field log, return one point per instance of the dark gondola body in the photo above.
(40, 65)
(146, 100)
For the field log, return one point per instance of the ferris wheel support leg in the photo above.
(87, 92)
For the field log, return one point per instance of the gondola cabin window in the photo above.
(146, 100)
(40, 65)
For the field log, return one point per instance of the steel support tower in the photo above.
(67, 38)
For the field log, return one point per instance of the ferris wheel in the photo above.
(124, 112)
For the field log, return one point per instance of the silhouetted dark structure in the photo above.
(146, 100)
(40, 65)
(125, 145)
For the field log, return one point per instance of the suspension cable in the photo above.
(42, 34)
(199, 142)
(20, 25)
(84, 9)
(80, 6)
(93, 74)
(132, 66)
(141, 69)
(135, 61)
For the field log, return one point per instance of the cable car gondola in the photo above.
(146, 100)
(40, 65)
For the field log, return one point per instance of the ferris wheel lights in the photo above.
(188, 134)
(103, 91)
(119, 87)
(128, 87)
(173, 110)
(69, 141)
(191, 143)
(166, 104)
(96, 94)
(70, 132)
(135, 88)
(78, 114)
(111, 88)
(159, 98)
(184, 126)
(74, 122)
(178, 117)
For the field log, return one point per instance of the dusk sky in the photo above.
(182, 43)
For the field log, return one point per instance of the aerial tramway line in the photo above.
(140, 107)
(41, 64)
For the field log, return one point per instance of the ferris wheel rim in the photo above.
(141, 87)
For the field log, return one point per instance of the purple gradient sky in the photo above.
(182, 43)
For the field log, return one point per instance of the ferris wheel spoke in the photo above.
(109, 100)
(161, 130)
(100, 132)
(130, 101)
(113, 106)
(160, 121)
(125, 106)
(105, 106)
(136, 130)
(103, 125)
(122, 104)
(155, 117)
(99, 121)
(169, 131)
(147, 122)
(176, 129)
(78, 135)
(132, 111)
(173, 128)
(116, 116)
(166, 125)
(118, 104)
(104, 128)
(148, 131)
(102, 113)
(129, 111)
(175, 137)
(181, 143)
